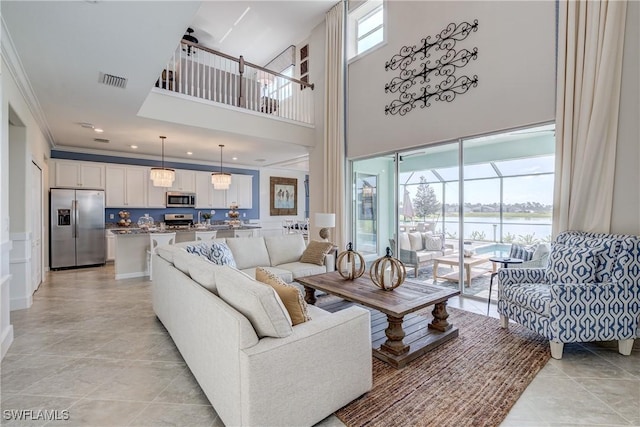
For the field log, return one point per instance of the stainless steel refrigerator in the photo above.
(77, 236)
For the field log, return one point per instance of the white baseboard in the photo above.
(131, 275)
(7, 339)
(21, 303)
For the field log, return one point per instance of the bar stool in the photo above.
(155, 240)
(206, 235)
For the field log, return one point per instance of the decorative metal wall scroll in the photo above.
(427, 72)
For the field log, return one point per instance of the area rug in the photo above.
(472, 380)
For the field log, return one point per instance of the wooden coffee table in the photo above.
(468, 264)
(407, 335)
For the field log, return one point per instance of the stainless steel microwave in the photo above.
(181, 200)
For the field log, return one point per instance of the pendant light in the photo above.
(162, 177)
(220, 180)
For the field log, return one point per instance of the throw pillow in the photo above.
(522, 252)
(290, 295)
(415, 240)
(220, 254)
(570, 264)
(260, 304)
(315, 252)
(432, 242)
(200, 249)
(404, 242)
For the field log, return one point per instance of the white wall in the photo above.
(273, 224)
(16, 223)
(515, 68)
(626, 195)
(316, 154)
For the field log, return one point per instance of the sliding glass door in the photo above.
(444, 232)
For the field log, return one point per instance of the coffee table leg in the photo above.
(440, 315)
(435, 270)
(310, 295)
(395, 335)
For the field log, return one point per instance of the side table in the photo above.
(505, 264)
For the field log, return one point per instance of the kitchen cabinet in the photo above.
(111, 245)
(241, 191)
(208, 197)
(77, 174)
(185, 181)
(156, 196)
(126, 186)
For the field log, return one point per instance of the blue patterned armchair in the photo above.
(589, 291)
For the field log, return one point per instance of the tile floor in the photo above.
(93, 346)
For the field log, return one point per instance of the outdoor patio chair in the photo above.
(589, 291)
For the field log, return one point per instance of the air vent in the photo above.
(103, 140)
(111, 80)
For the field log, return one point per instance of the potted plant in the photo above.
(207, 218)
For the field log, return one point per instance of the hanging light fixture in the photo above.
(162, 177)
(220, 180)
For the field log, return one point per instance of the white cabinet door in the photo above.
(126, 186)
(185, 181)
(204, 190)
(111, 246)
(241, 191)
(136, 187)
(156, 196)
(92, 175)
(116, 186)
(77, 174)
(219, 199)
(66, 174)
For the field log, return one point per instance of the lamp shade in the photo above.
(325, 220)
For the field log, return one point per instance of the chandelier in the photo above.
(162, 177)
(220, 180)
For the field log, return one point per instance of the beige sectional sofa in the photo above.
(298, 379)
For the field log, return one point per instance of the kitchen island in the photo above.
(132, 243)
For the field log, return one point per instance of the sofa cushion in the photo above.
(404, 241)
(181, 260)
(257, 302)
(315, 252)
(415, 241)
(281, 273)
(284, 249)
(532, 296)
(571, 264)
(250, 252)
(290, 295)
(302, 269)
(424, 256)
(203, 272)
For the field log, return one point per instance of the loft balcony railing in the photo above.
(204, 73)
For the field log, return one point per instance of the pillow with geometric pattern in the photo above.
(571, 264)
(522, 252)
(221, 254)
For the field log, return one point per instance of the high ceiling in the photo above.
(63, 47)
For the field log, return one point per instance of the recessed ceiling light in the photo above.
(234, 158)
(189, 153)
(86, 125)
(98, 130)
(134, 146)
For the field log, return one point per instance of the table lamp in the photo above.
(325, 221)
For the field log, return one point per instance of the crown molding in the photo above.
(15, 68)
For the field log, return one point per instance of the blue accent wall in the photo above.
(158, 214)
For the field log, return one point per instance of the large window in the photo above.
(366, 27)
(501, 194)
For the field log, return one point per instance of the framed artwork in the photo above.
(304, 51)
(283, 196)
(304, 67)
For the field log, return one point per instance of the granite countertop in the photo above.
(138, 230)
